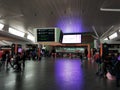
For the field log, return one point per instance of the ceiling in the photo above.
(8, 39)
(78, 15)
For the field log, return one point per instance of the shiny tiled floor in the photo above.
(55, 74)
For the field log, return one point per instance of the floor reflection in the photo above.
(69, 74)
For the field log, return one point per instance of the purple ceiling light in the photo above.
(70, 25)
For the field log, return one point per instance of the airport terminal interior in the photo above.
(59, 44)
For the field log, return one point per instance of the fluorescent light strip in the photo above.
(119, 30)
(113, 36)
(106, 39)
(31, 37)
(109, 9)
(1, 26)
(16, 32)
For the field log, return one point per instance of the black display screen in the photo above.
(45, 35)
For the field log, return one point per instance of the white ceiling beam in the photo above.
(94, 37)
(106, 32)
(95, 31)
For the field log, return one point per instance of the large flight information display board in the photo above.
(45, 35)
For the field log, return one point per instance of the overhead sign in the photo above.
(44, 35)
(48, 35)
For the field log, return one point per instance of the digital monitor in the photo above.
(45, 35)
(71, 38)
(48, 35)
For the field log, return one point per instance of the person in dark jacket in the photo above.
(23, 58)
(18, 62)
(86, 52)
(3, 58)
(117, 72)
(8, 59)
